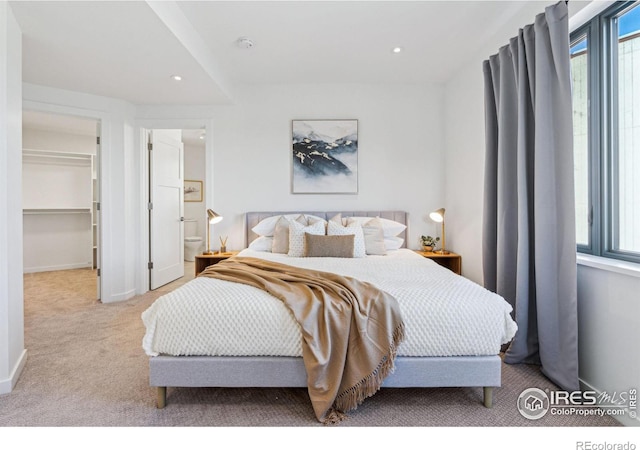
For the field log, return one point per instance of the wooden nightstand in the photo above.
(204, 261)
(451, 261)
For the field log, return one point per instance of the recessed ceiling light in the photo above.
(176, 77)
(396, 49)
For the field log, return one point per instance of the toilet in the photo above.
(192, 242)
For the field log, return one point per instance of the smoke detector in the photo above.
(245, 43)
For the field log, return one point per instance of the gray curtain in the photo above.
(529, 243)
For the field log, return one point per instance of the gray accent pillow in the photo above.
(328, 246)
(335, 229)
(281, 234)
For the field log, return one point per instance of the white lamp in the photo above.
(438, 216)
(212, 217)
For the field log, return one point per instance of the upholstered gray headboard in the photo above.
(253, 218)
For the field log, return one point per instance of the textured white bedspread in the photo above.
(444, 314)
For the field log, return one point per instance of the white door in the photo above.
(166, 207)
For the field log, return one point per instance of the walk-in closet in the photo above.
(60, 192)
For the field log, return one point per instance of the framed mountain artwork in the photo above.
(325, 156)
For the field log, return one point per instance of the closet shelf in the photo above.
(56, 157)
(56, 211)
(56, 154)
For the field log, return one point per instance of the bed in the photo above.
(455, 328)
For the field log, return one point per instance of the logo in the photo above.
(533, 403)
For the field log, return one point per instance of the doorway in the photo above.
(61, 197)
(177, 225)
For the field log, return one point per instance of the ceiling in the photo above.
(130, 49)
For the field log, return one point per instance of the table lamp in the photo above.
(212, 217)
(438, 216)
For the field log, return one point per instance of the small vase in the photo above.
(223, 249)
(427, 248)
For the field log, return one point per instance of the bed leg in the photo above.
(162, 397)
(488, 396)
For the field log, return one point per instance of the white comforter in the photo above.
(445, 314)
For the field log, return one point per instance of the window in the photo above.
(605, 64)
(580, 80)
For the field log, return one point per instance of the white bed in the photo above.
(454, 328)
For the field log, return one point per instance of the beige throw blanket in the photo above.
(350, 328)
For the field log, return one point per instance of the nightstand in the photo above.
(451, 261)
(204, 261)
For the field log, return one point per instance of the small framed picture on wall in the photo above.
(192, 191)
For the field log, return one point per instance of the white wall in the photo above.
(57, 241)
(400, 154)
(12, 352)
(609, 330)
(608, 316)
(464, 122)
(36, 139)
(51, 182)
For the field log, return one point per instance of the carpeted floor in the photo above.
(86, 368)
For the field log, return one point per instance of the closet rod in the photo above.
(56, 155)
(40, 211)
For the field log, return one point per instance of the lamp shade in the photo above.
(213, 216)
(437, 215)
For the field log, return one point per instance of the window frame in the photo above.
(601, 36)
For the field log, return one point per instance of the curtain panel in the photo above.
(529, 243)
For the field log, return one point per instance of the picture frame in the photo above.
(324, 156)
(192, 190)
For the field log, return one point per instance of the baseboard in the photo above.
(119, 297)
(625, 419)
(58, 267)
(7, 385)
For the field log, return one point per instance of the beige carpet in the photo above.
(86, 367)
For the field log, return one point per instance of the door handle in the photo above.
(181, 219)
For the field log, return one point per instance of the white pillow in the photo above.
(267, 226)
(281, 234)
(389, 227)
(296, 236)
(261, 244)
(338, 219)
(374, 237)
(313, 219)
(393, 243)
(335, 229)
